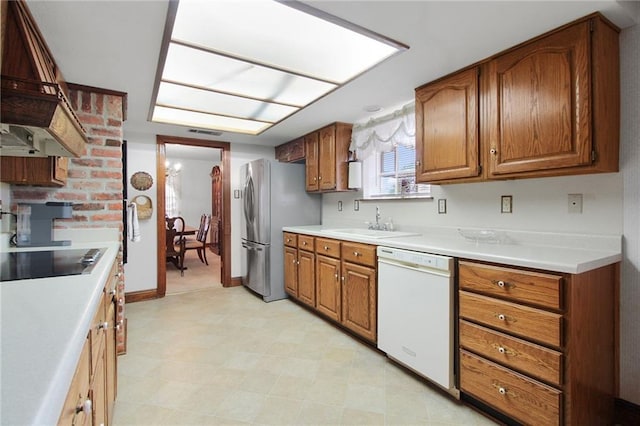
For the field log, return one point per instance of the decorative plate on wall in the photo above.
(141, 181)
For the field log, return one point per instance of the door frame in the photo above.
(161, 156)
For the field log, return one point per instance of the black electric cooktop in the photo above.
(27, 265)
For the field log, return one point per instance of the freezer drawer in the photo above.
(257, 267)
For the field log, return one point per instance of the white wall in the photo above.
(195, 181)
(141, 268)
(630, 167)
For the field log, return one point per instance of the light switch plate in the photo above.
(339, 206)
(356, 205)
(506, 205)
(575, 203)
(442, 206)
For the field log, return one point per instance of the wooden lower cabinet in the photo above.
(91, 396)
(539, 346)
(343, 278)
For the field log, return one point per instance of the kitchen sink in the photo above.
(369, 233)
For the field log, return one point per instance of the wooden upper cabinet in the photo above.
(36, 171)
(311, 161)
(327, 153)
(539, 104)
(547, 107)
(447, 128)
(291, 151)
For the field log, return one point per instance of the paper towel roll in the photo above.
(355, 175)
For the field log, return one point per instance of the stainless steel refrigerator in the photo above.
(273, 196)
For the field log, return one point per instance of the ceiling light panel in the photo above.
(243, 66)
(203, 69)
(280, 36)
(208, 121)
(185, 97)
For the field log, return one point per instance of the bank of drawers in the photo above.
(511, 341)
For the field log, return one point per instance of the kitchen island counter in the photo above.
(557, 252)
(44, 327)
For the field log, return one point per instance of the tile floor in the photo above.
(223, 356)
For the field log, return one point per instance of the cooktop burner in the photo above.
(26, 265)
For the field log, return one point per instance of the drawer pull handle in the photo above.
(356, 254)
(503, 317)
(85, 407)
(336, 276)
(502, 391)
(326, 248)
(304, 243)
(503, 284)
(501, 349)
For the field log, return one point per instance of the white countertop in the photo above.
(569, 253)
(44, 326)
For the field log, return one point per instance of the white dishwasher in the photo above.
(416, 313)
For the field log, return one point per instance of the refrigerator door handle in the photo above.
(248, 247)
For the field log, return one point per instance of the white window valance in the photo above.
(384, 133)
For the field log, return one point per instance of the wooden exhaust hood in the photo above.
(36, 116)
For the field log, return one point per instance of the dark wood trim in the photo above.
(140, 296)
(627, 413)
(225, 252)
(85, 88)
(235, 282)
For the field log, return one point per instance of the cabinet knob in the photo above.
(85, 407)
(336, 275)
(502, 317)
(326, 248)
(294, 261)
(502, 391)
(501, 350)
(342, 279)
(304, 243)
(113, 292)
(417, 162)
(356, 254)
(493, 151)
(103, 326)
(319, 177)
(119, 325)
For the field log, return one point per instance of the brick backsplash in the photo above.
(94, 181)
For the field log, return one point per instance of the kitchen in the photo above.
(539, 205)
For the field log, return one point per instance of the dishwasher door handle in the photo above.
(424, 270)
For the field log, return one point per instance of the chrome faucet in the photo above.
(377, 225)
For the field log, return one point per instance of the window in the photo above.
(386, 147)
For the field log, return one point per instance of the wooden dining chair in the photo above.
(175, 242)
(200, 243)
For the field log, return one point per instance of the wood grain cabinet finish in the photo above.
(541, 350)
(291, 151)
(299, 268)
(547, 107)
(327, 152)
(95, 379)
(35, 171)
(447, 128)
(344, 281)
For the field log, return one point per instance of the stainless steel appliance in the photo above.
(25, 265)
(35, 223)
(416, 313)
(274, 196)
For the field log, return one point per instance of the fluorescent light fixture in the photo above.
(244, 66)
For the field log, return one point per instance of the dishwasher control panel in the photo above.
(414, 257)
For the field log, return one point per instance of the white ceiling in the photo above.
(115, 45)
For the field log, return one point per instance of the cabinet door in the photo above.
(359, 300)
(307, 277)
(291, 271)
(42, 171)
(447, 132)
(327, 158)
(78, 392)
(111, 372)
(328, 296)
(539, 105)
(311, 162)
(98, 392)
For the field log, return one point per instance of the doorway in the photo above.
(224, 211)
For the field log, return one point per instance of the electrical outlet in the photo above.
(506, 204)
(339, 206)
(356, 205)
(442, 206)
(575, 203)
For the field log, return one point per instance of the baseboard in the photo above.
(235, 282)
(627, 413)
(140, 296)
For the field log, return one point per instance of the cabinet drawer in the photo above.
(97, 333)
(327, 247)
(363, 254)
(513, 284)
(290, 239)
(305, 242)
(524, 399)
(524, 321)
(531, 359)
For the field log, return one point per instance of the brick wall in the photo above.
(94, 183)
